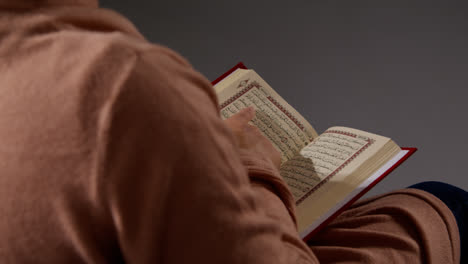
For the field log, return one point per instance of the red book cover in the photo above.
(239, 65)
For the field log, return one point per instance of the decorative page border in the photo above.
(240, 93)
(328, 178)
(280, 107)
(254, 84)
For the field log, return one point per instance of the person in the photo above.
(112, 150)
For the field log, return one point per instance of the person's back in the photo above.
(63, 73)
(112, 150)
(52, 101)
(97, 161)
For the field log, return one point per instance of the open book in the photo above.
(326, 172)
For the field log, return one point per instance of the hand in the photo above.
(250, 138)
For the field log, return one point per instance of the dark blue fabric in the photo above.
(456, 200)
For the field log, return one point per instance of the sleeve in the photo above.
(178, 190)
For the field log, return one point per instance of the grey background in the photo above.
(395, 68)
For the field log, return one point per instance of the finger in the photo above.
(244, 115)
(247, 113)
(251, 129)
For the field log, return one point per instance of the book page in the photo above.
(330, 154)
(356, 193)
(277, 120)
(228, 80)
(342, 158)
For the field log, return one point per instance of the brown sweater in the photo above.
(112, 150)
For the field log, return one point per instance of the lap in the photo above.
(406, 226)
(456, 200)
